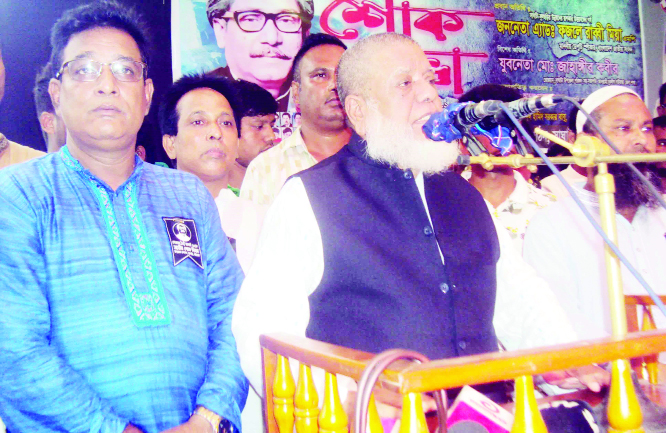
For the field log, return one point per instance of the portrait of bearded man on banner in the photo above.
(260, 39)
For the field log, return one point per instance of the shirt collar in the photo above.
(294, 140)
(76, 166)
(520, 193)
(588, 198)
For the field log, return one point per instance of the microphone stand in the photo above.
(624, 411)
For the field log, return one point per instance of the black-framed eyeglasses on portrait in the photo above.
(254, 21)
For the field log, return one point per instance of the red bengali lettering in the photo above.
(371, 14)
(436, 21)
(443, 72)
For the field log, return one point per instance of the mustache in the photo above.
(333, 97)
(270, 52)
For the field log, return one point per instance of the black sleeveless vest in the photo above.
(384, 284)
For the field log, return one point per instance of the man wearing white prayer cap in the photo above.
(595, 100)
(563, 246)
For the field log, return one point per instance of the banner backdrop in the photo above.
(538, 46)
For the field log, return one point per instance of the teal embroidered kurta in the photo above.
(98, 326)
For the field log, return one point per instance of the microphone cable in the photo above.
(580, 204)
(612, 145)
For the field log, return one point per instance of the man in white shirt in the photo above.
(199, 118)
(200, 129)
(564, 248)
(241, 219)
(322, 132)
(510, 198)
(572, 174)
(375, 248)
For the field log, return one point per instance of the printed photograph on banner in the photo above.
(278, 134)
(252, 40)
(535, 46)
(284, 125)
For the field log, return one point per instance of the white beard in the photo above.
(398, 145)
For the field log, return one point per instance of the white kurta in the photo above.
(553, 185)
(564, 248)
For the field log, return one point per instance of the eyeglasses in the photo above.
(254, 21)
(90, 70)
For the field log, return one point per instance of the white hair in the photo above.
(355, 66)
(398, 145)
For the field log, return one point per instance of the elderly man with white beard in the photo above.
(379, 246)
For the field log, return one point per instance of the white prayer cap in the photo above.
(597, 98)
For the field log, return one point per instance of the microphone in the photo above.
(525, 106)
(450, 124)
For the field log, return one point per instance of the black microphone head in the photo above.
(463, 160)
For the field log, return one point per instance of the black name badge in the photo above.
(184, 240)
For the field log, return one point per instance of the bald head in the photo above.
(356, 66)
